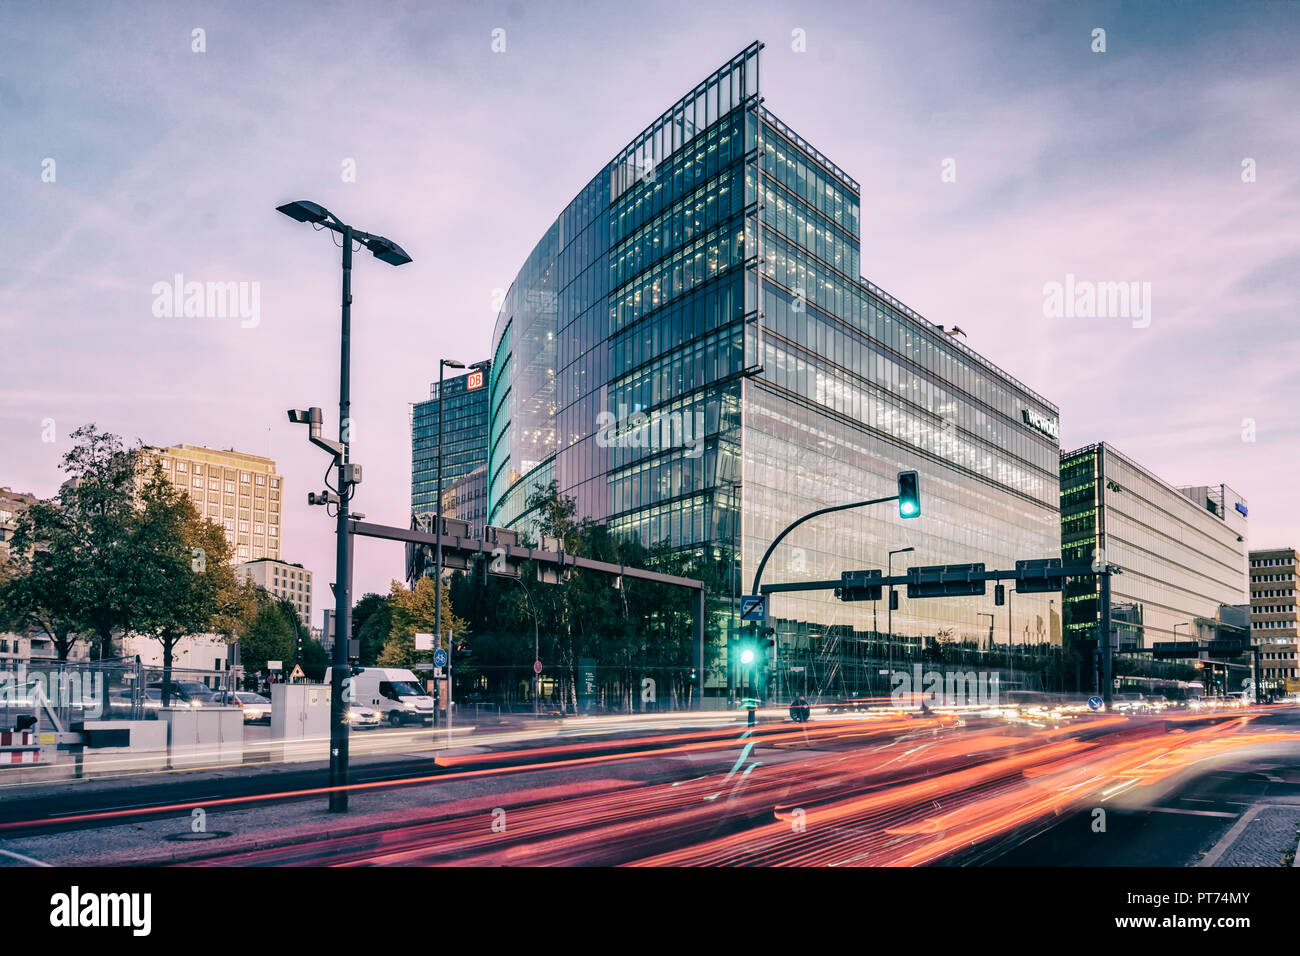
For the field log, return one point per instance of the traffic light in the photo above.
(999, 594)
(909, 496)
(893, 600)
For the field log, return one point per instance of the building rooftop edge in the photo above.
(183, 447)
(1179, 489)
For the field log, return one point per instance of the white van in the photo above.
(396, 693)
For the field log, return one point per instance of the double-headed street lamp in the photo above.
(349, 475)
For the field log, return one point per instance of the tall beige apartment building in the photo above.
(238, 491)
(287, 582)
(1273, 615)
(12, 503)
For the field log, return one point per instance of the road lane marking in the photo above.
(25, 859)
(130, 806)
(1192, 813)
(1229, 838)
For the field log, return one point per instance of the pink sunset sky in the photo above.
(1123, 165)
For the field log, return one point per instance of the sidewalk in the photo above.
(365, 750)
(1265, 835)
(305, 820)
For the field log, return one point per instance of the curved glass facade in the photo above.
(619, 347)
(691, 354)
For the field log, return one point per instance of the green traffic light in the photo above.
(909, 495)
(747, 656)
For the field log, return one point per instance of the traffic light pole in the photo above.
(1052, 577)
(758, 574)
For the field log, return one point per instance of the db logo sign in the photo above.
(474, 380)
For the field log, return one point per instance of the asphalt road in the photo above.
(904, 790)
(46, 808)
(1179, 825)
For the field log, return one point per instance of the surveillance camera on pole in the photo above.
(312, 418)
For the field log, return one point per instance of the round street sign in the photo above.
(1095, 703)
(440, 658)
(537, 667)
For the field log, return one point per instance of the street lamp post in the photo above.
(992, 618)
(890, 615)
(1176, 627)
(536, 648)
(437, 548)
(349, 476)
(1011, 662)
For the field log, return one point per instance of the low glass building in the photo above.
(691, 353)
(1182, 551)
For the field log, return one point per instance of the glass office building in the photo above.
(464, 437)
(1182, 551)
(691, 354)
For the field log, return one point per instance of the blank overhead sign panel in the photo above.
(945, 580)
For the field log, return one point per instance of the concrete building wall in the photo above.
(240, 492)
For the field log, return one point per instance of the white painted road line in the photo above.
(1229, 838)
(26, 859)
(132, 806)
(1193, 813)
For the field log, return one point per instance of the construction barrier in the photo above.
(19, 747)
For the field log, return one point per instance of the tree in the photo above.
(183, 583)
(96, 511)
(413, 613)
(34, 584)
(641, 629)
(372, 619)
(269, 637)
(314, 658)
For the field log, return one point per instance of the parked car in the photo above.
(257, 709)
(182, 693)
(122, 703)
(362, 716)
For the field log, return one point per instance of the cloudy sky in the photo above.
(1123, 165)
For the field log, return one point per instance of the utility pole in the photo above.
(348, 477)
(342, 552)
